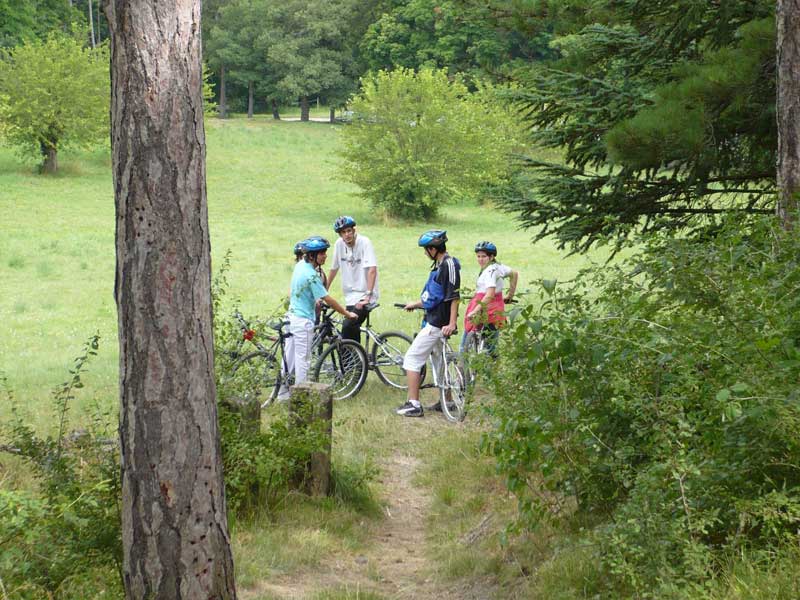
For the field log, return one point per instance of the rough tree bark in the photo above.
(787, 16)
(304, 108)
(275, 114)
(175, 535)
(250, 99)
(49, 158)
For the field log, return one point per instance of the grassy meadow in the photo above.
(269, 184)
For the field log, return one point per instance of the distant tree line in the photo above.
(658, 114)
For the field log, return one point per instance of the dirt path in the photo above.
(395, 564)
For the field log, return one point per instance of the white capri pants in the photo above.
(428, 342)
(298, 346)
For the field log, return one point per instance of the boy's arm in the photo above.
(413, 305)
(453, 324)
(372, 275)
(331, 276)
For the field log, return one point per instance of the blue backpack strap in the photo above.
(433, 293)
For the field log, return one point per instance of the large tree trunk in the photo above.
(250, 100)
(223, 99)
(304, 111)
(275, 114)
(174, 529)
(333, 115)
(50, 158)
(788, 110)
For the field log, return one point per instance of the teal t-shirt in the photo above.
(307, 288)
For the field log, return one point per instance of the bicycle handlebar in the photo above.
(403, 306)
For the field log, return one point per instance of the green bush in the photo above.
(662, 394)
(420, 140)
(69, 523)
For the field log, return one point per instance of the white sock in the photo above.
(415, 403)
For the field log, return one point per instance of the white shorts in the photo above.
(428, 340)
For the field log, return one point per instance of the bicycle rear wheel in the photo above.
(473, 345)
(343, 366)
(452, 390)
(258, 375)
(387, 356)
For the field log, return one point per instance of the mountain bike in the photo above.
(385, 352)
(262, 372)
(448, 377)
(477, 343)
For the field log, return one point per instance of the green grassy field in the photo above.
(269, 184)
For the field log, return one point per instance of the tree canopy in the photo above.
(53, 94)
(664, 111)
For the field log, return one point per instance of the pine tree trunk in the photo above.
(787, 16)
(174, 529)
(223, 98)
(304, 110)
(275, 114)
(250, 100)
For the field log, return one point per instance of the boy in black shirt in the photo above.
(440, 299)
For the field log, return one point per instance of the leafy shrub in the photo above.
(662, 394)
(69, 524)
(419, 140)
(259, 464)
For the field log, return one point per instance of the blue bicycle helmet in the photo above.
(298, 249)
(315, 243)
(343, 222)
(433, 238)
(487, 247)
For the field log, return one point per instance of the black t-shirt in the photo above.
(448, 275)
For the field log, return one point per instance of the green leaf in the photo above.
(549, 285)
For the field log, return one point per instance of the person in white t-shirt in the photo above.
(354, 256)
(487, 307)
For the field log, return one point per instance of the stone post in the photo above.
(311, 404)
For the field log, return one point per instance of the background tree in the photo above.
(53, 94)
(235, 31)
(419, 140)
(174, 528)
(214, 41)
(788, 109)
(25, 20)
(305, 47)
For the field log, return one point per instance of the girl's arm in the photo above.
(513, 276)
(479, 307)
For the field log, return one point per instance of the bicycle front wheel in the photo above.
(387, 356)
(452, 390)
(343, 366)
(257, 376)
